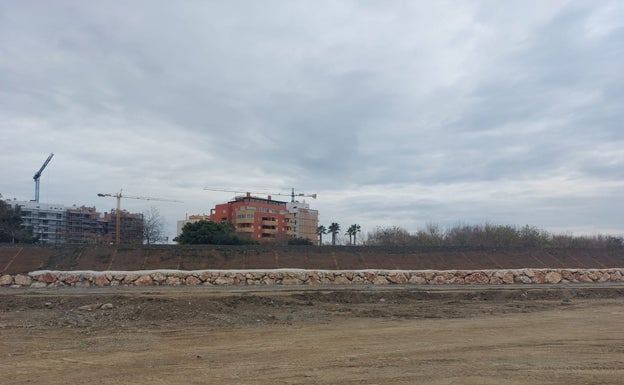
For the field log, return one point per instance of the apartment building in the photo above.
(55, 223)
(131, 226)
(303, 219)
(266, 219)
(48, 221)
(84, 225)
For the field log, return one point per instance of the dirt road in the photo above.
(569, 335)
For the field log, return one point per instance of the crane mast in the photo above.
(38, 175)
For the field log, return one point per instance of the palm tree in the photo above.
(334, 229)
(356, 229)
(352, 231)
(320, 231)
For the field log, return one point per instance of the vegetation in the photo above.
(352, 231)
(488, 235)
(11, 229)
(299, 241)
(209, 233)
(334, 229)
(320, 231)
(153, 226)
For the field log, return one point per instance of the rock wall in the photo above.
(41, 279)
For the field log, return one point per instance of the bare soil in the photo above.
(15, 259)
(369, 335)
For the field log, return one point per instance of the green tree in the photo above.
(11, 229)
(299, 241)
(334, 229)
(320, 231)
(209, 232)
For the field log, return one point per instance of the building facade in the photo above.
(304, 220)
(131, 229)
(85, 225)
(47, 221)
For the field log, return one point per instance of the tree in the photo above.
(11, 229)
(350, 234)
(209, 232)
(299, 241)
(389, 236)
(352, 231)
(334, 229)
(153, 226)
(320, 231)
(358, 229)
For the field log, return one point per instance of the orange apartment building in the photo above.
(265, 219)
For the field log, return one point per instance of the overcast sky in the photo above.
(395, 112)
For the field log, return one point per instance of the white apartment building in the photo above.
(47, 220)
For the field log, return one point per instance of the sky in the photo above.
(396, 113)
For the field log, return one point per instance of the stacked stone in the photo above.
(40, 279)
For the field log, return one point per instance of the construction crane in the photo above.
(38, 175)
(119, 195)
(292, 194)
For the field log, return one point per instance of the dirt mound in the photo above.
(22, 259)
(111, 309)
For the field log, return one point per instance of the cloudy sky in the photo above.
(395, 112)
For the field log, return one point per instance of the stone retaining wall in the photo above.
(41, 279)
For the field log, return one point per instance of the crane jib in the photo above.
(38, 173)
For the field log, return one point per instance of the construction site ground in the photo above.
(565, 334)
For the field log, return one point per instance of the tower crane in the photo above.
(292, 194)
(38, 175)
(119, 195)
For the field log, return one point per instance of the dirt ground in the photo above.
(400, 335)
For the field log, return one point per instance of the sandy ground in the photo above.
(519, 335)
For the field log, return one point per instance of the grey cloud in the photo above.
(318, 95)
